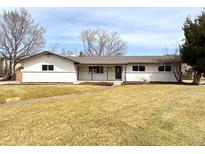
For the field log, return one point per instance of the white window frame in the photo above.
(139, 68)
(47, 66)
(165, 68)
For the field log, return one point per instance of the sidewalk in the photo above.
(9, 82)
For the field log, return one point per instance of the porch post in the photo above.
(107, 73)
(78, 73)
(92, 74)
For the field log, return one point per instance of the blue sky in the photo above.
(147, 31)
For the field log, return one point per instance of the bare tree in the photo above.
(66, 52)
(19, 38)
(53, 47)
(1, 65)
(177, 65)
(101, 43)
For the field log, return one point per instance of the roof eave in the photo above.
(151, 62)
(102, 63)
(48, 53)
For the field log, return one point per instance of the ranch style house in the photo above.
(51, 67)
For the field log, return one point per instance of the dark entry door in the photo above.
(118, 72)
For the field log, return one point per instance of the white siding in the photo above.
(64, 70)
(151, 74)
(105, 76)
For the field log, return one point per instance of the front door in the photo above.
(118, 72)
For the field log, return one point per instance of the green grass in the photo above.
(124, 115)
(23, 92)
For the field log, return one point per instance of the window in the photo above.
(109, 68)
(96, 69)
(50, 67)
(90, 69)
(166, 68)
(100, 69)
(141, 68)
(138, 68)
(135, 68)
(44, 67)
(47, 67)
(161, 68)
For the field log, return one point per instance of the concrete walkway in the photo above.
(51, 98)
(9, 82)
(113, 82)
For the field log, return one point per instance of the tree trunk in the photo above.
(180, 80)
(176, 69)
(197, 78)
(180, 73)
(10, 71)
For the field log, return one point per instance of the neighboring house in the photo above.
(50, 67)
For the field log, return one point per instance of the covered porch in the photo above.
(100, 72)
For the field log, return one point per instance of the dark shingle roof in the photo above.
(112, 59)
(123, 59)
(46, 53)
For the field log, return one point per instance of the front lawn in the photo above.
(22, 92)
(124, 115)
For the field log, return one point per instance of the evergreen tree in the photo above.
(193, 49)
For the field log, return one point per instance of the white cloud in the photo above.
(150, 28)
(152, 39)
